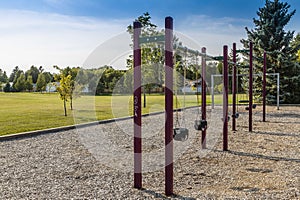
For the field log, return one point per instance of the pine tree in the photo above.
(7, 87)
(269, 35)
(41, 83)
(20, 83)
(29, 83)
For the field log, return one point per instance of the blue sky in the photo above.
(65, 32)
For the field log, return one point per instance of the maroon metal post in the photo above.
(225, 98)
(264, 86)
(137, 110)
(203, 96)
(169, 106)
(250, 85)
(234, 88)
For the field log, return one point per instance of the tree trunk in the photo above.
(145, 99)
(65, 107)
(71, 103)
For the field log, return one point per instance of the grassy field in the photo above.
(22, 112)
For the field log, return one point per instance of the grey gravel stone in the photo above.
(263, 164)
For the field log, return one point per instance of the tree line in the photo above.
(269, 34)
(20, 81)
(97, 81)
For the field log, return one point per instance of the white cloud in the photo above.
(213, 33)
(31, 38)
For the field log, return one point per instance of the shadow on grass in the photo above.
(162, 196)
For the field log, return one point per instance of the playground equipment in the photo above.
(225, 98)
(167, 38)
(200, 124)
(249, 101)
(179, 133)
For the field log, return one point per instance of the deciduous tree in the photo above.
(63, 89)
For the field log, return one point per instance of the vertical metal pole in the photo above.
(203, 96)
(278, 89)
(212, 93)
(234, 86)
(250, 86)
(225, 98)
(137, 110)
(169, 106)
(264, 85)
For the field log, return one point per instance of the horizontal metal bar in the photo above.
(219, 58)
(243, 51)
(161, 38)
(158, 38)
(268, 74)
(192, 51)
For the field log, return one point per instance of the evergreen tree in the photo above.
(296, 44)
(16, 74)
(3, 76)
(6, 87)
(269, 35)
(33, 72)
(41, 83)
(20, 83)
(13, 74)
(29, 83)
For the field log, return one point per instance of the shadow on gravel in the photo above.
(280, 122)
(276, 133)
(161, 196)
(245, 189)
(263, 156)
(285, 115)
(238, 153)
(258, 170)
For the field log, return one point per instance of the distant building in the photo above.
(51, 87)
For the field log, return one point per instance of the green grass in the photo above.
(31, 111)
(22, 112)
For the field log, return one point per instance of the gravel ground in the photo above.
(96, 162)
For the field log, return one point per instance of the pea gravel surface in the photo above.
(96, 162)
